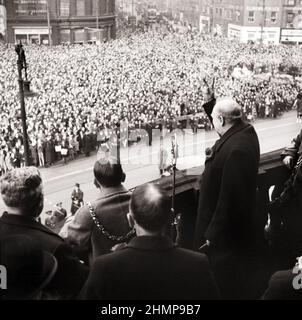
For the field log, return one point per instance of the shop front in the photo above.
(31, 35)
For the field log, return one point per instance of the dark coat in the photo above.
(287, 204)
(228, 190)
(71, 274)
(77, 200)
(49, 152)
(151, 268)
(281, 286)
(227, 211)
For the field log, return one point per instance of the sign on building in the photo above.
(291, 35)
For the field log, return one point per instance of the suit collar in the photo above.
(151, 243)
(25, 221)
(238, 126)
(106, 192)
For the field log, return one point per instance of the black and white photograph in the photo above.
(150, 150)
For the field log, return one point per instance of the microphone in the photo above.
(173, 150)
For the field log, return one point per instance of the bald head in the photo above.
(150, 207)
(228, 108)
(225, 113)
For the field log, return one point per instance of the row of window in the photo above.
(230, 14)
(100, 6)
(85, 36)
(293, 2)
(270, 16)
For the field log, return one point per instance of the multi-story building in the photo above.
(246, 20)
(2, 21)
(60, 21)
(291, 31)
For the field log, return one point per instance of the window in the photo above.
(220, 12)
(102, 7)
(107, 6)
(94, 7)
(79, 36)
(273, 16)
(290, 2)
(251, 16)
(80, 7)
(65, 36)
(64, 8)
(290, 18)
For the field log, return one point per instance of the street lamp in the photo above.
(24, 91)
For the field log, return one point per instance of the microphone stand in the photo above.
(175, 218)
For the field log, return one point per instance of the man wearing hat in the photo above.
(77, 199)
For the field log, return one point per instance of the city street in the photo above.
(140, 161)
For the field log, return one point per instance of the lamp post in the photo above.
(24, 91)
(48, 24)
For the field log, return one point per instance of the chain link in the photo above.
(115, 238)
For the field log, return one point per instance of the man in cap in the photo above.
(77, 199)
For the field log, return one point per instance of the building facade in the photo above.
(291, 29)
(60, 21)
(246, 20)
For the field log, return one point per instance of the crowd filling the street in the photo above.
(223, 232)
(146, 81)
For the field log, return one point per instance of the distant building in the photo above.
(68, 21)
(246, 20)
(291, 31)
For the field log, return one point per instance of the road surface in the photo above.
(140, 161)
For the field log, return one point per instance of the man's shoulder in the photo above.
(283, 277)
(282, 286)
(8, 222)
(48, 238)
(129, 253)
(193, 256)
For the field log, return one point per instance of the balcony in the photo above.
(272, 172)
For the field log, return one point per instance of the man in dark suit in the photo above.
(285, 209)
(226, 218)
(77, 199)
(22, 193)
(151, 266)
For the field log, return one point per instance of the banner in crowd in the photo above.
(2, 21)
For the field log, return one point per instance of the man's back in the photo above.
(151, 267)
(228, 188)
(89, 236)
(71, 274)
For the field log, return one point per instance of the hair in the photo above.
(150, 207)
(229, 109)
(108, 173)
(22, 188)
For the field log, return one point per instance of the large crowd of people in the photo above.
(149, 79)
